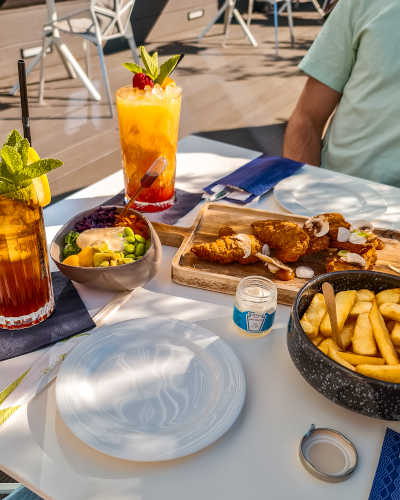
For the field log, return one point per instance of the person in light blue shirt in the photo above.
(354, 72)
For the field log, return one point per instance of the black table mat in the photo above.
(69, 318)
(184, 203)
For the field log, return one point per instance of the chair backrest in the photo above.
(112, 16)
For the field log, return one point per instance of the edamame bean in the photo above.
(148, 243)
(140, 249)
(139, 238)
(105, 263)
(127, 261)
(130, 256)
(130, 248)
(120, 235)
(130, 239)
(128, 232)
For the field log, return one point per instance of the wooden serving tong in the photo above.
(329, 296)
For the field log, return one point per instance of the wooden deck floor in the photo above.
(240, 95)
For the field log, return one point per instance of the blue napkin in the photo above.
(386, 485)
(258, 176)
(69, 318)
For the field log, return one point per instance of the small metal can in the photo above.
(328, 455)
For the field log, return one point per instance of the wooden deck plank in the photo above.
(240, 94)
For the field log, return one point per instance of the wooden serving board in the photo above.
(189, 270)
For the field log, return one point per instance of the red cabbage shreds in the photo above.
(100, 218)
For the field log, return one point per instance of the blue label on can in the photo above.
(252, 322)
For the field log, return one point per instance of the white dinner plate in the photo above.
(313, 191)
(150, 389)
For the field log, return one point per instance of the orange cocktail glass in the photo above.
(26, 293)
(148, 128)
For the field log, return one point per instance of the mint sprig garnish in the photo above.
(166, 69)
(15, 173)
(150, 62)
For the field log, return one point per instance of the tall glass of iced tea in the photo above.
(26, 293)
(148, 128)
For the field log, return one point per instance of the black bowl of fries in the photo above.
(363, 373)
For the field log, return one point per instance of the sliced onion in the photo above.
(304, 272)
(356, 239)
(273, 268)
(265, 250)
(354, 258)
(343, 234)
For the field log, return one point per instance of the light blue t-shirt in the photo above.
(357, 53)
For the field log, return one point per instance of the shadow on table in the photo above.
(268, 138)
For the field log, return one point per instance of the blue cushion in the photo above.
(22, 493)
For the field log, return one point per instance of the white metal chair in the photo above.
(103, 20)
(287, 4)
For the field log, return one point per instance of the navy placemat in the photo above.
(386, 485)
(69, 318)
(184, 203)
(258, 176)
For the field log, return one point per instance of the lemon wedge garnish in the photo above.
(41, 183)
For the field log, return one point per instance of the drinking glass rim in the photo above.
(158, 101)
(13, 195)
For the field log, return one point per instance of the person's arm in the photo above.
(304, 131)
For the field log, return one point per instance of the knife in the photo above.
(222, 194)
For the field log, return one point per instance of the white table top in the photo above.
(258, 457)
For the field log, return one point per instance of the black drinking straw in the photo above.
(24, 100)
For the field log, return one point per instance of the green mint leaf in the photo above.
(135, 68)
(37, 169)
(12, 159)
(155, 59)
(22, 148)
(149, 64)
(166, 69)
(13, 138)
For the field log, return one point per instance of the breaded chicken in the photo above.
(286, 237)
(316, 244)
(227, 249)
(334, 264)
(369, 246)
(335, 221)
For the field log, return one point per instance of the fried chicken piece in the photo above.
(225, 231)
(316, 244)
(334, 264)
(286, 237)
(370, 245)
(227, 249)
(335, 221)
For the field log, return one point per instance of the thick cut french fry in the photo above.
(395, 335)
(390, 326)
(363, 337)
(390, 310)
(347, 334)
(386, 373)
(335, 356)
(391, 295)
(327, 343)
(356, 359)
(382, 336)
(344, 304)
(360, 308)
(325, 351)
(312, 318)
(365, 295)
(317, 340)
